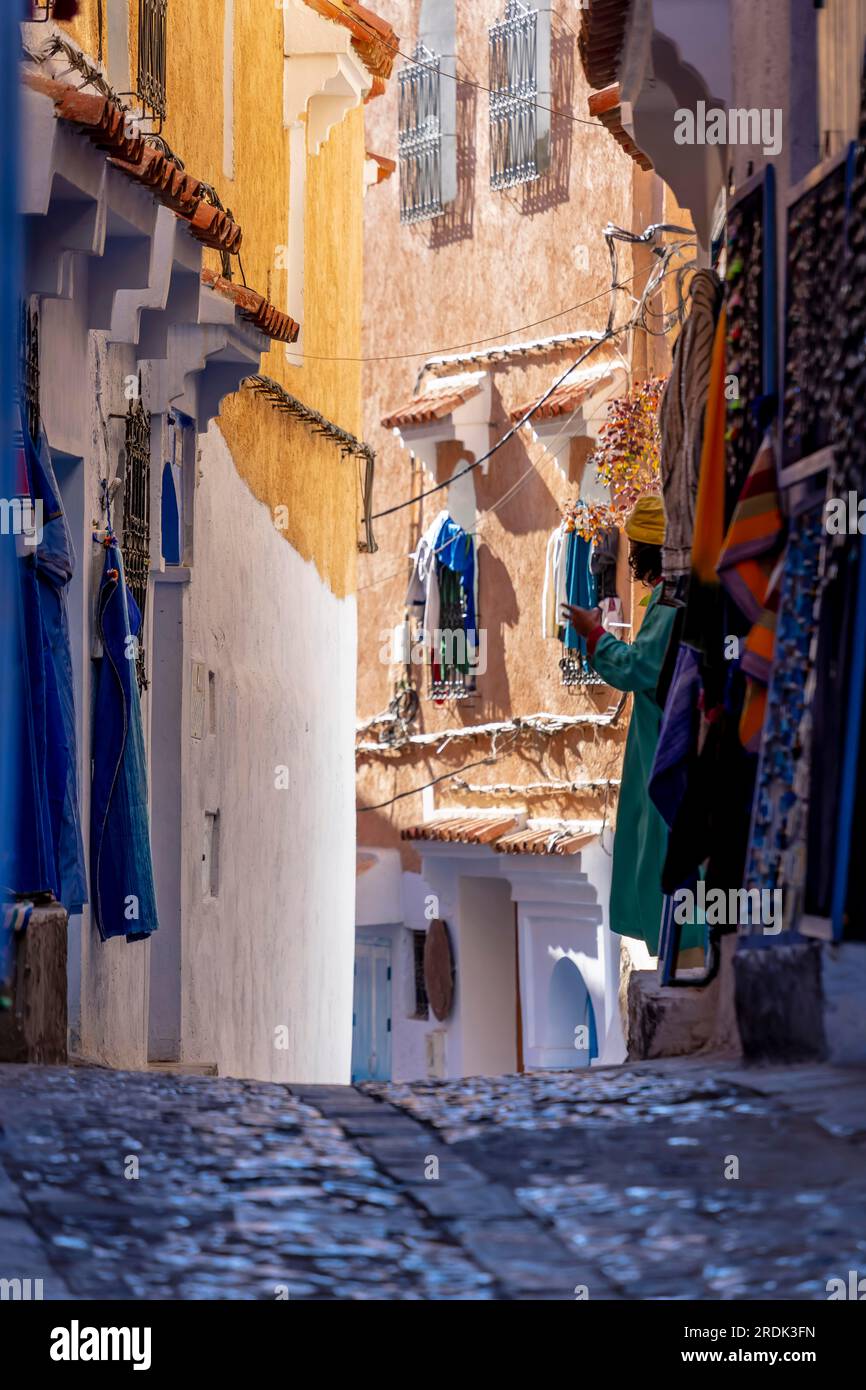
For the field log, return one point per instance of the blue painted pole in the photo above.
(10, 291)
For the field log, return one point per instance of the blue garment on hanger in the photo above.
(121, 870)
(456, 551)
(50, 853)
(580, 586)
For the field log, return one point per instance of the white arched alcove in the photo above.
(572, 1039)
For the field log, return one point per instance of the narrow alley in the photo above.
(432, 677)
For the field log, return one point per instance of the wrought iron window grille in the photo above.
(420, 137)
(150, 83)
(29, 369)
(577, 672)
(422, 1003)
(514, 97)
(136, 516)
(456, 678)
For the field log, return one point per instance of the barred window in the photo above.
(29, 369)
(422, 1003)
(136, 516)
(150, 87)
(514, 97)
(420, 137)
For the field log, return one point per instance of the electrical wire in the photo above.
(494, 506)
(416, 62)
(611, 234)
(500, 501)
(473, 342)
(413, 791)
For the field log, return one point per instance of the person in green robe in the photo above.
(640, 842)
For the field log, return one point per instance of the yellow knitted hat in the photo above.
(646, 522)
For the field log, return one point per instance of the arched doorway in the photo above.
(572, 1039)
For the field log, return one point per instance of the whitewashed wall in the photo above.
(274, 949)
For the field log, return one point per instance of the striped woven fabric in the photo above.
(750, 569)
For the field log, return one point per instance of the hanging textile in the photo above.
(702, 627)
(677, 736)
(423, 591)
(776, 852)
(455, 551)
(579, 586)
(50, 854)
(553, 594)
(681, 421)
(749, 569)
(121, 871)
(641, 836)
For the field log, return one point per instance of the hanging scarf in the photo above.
(749, 567)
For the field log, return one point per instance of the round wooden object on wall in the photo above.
(439, 970)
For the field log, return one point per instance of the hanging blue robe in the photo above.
(121, 870)
(50, 854)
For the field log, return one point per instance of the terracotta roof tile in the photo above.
(546, 840)
(565, 399)
(503, 833)
(266, 316)
(602, 34)
(605, 107)
(372, 37)
(385, 166)
(105, 124)
(463, 829)
(432, 405)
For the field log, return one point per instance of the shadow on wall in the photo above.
(457, 221)
(551, 189)
(572, 1040)
(497, 610)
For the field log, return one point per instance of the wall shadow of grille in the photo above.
(551, 189)
(457, 221)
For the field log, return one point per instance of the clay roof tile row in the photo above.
(266, 316)
(432, 405)
(563, 401)
(105, 124)
(501, 832)
(605, 106)
(372, 37)
(602, 34)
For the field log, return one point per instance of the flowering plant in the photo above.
(627, 458)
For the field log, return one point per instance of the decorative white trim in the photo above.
(324, 78)
(196, 345)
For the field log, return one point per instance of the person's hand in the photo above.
(583, 620)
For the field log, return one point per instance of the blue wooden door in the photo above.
(371, 1021)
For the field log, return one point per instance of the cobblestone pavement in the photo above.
(660, 1181)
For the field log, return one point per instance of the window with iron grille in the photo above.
(514, 97)
(29, 369)
(422, 1003)
(150, 86)
(420, 137)
(136, 516)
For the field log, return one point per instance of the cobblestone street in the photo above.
(548, 1185)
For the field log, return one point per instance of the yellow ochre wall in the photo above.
(283, 464)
